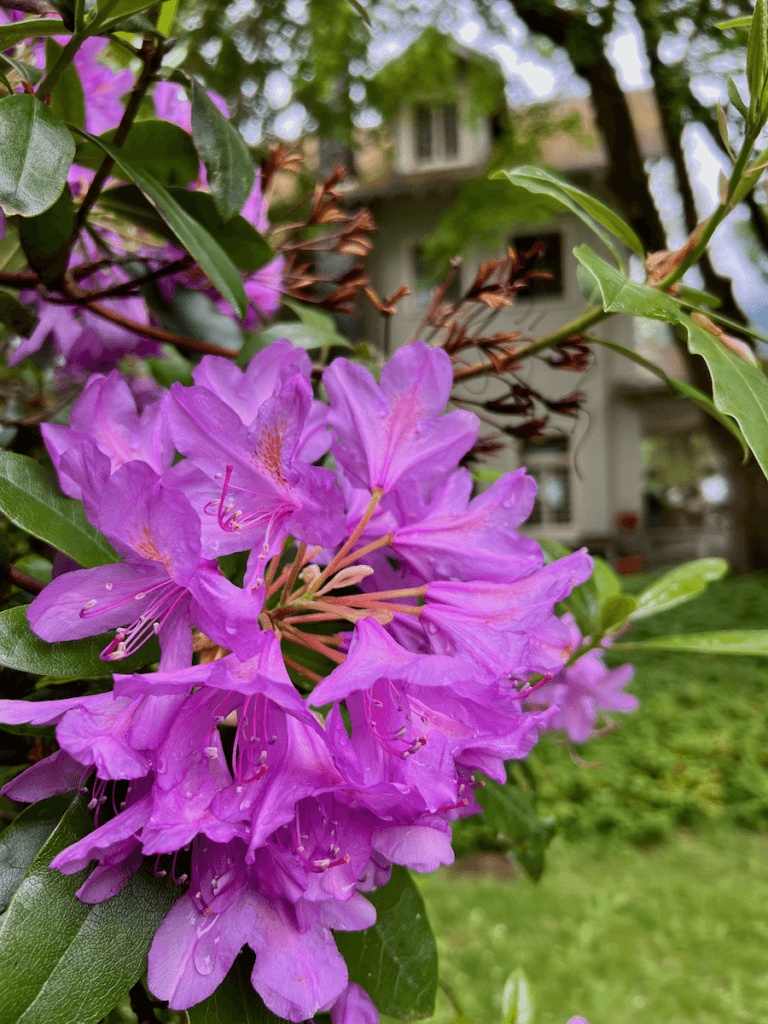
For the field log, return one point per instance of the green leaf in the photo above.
(193, 315)
(302, 336)
(36, 152)
(311, 316)
(727, 641)
(67, 97)
(27, 72)
(30, 28)
(221, 147)
(158, 148)
(616, 611)
(200, 245)
(110, 14)
(23, 650)
(128, 202)
(174, 368)
(245, 246)
(680, 389)
(47, 238)
(509, 812)
(757, 56)
(21, 841)
(743, 22)
(679, 585)
(395, 960)
(621, 295)
(586, 207)
(235, 1001)
(66, 961)
(739, 389)
(735, 97)
(606, 582)
(15, 315)
(517, 999)
(30, 498)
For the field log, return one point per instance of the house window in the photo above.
(436, 133)
(426, 276)
(550, 260)
(548, 463)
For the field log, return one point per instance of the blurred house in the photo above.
(592, 486)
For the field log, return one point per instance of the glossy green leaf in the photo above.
(310, 315)
(30, 498)
(727, 641)
(36, 152)
(47, 238)
(201, 246)
(739, 388)
(680, 584)
(30, 28)
(245, 246)
(517, 999)
(606, 582)
(15, 315)
(194, 315)
(235, 1001)
(594, 213)
(69, 962)
(158, 148)
(221, 147)
(172, 369)
(67, 100)
(21, 841)
(128, 202)
(302, 335)
(615, 612)
(581, 603)
(509, 811)
(27, 71)
(23, 650)
(110, 14)
(621, 295)
(395, 960)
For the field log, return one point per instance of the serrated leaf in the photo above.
(679, 585)
(47, 238)
(235, 1001)
(517, 999)
(36, 152)
(21, 841)
(23, 650)
(221, 147)
(616, 611)
(27, 71)
(395, 960)
(158, 148)
(16, 316)
(30, 28)
(594, 213)
(727, 641)
(67, 100)
(201, 245)
(31, 500)
(66, 961)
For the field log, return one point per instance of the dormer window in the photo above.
(436, 133)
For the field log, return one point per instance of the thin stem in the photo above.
(312, 641)
(65, 58)
(376, 495)
(295, 567)
(383, 542)
(158, 334)
(577, 326)
(152, 55)
(302, 670)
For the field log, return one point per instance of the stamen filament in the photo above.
(376, 495)
(302, 670)
(274, 563)
(287, 571)
(381, 595)
(295, 567)
(313, 642)
(382, 542)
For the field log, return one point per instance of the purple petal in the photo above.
(55, 774)
(417, 846)
(354, 1006)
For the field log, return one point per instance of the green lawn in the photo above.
(674, 935)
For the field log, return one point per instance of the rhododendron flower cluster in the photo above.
(308, 729)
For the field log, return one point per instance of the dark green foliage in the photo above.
(695, 751)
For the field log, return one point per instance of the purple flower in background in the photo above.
(582, 690)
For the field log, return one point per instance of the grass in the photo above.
(675, 935)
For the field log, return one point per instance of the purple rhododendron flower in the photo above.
(306, 731)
